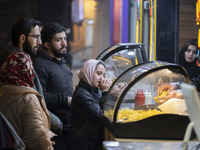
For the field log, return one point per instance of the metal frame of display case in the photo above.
(163, 126)
(118, 59)
(121, 46)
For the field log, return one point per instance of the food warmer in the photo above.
(122, 56)
(135, 112)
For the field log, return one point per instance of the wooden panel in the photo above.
(187, 2)
(187, 21)
(187, 26)
(187, 8)
(188, 35)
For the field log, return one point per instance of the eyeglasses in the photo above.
(193, 52)
(36, 36)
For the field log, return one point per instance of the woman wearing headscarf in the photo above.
(187, 58)
(22, 105)
(86, 126)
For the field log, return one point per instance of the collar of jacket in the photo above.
(88, 86)
(43, 54)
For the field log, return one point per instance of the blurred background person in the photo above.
(188, 58)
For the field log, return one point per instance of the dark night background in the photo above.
(43, 10)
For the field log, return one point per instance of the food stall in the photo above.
(145, 102)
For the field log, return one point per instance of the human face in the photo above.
(190, 53)
(33, 41)
(98, 75)
(59, 45)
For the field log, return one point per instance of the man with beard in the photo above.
(25, 34)
(55, 77)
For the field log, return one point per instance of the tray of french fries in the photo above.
(149, 122)
(159, 126)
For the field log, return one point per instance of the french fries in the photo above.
(126, 115)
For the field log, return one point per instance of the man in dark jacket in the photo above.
(55, 77)
(25, 34)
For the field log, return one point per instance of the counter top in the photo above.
(164, 145)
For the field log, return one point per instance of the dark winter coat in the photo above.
(87, 129)
(196, 82)
(56, 81)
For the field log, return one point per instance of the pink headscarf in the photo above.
(17, 69)
(88, 69)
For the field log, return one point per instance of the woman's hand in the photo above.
(117, 89)
(105, 84)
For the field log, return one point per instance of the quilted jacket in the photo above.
(86, 125)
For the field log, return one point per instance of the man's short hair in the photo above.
(49, 30)
(22, 25)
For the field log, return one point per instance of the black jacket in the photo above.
(196, 82)
(56, 81)
(86, 126)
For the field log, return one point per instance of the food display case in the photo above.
(122, 56)
(145, 102)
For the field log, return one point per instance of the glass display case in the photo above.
(132, 107)
(122, 56)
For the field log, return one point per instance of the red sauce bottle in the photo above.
(139, 98)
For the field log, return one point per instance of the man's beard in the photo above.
(57, 53)
(28, 48)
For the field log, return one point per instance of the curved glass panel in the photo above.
(133, 111)
(121, 57)
(106, 51)
(120, 61)
(140, 78)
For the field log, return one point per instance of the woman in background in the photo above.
(22, 105)
(187, 58)
(86, 126)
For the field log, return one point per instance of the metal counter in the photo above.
(156, 145)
